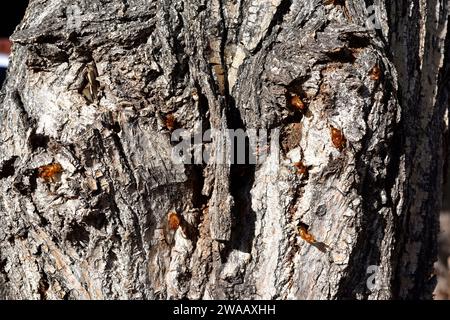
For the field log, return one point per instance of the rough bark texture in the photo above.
(91, 84)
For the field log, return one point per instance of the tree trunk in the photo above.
(355, 118)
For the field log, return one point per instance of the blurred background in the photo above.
(12, 17)
(442, 270)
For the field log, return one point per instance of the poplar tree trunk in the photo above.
(96, 87)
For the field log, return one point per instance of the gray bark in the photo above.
(91, 83)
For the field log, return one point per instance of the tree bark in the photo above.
(97, 87)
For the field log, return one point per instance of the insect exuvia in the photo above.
(297, 103)
(338, 138)
(375, 73)
(174, 221)
(170, 122)
(49, 173)
(301, 168)
(304, 234)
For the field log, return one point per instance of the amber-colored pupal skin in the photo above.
(305, 235)
(338, 139)
(297, 103)
(170, 122)
(301, 168)
(49, 172)
(173, 220)
(375, 73)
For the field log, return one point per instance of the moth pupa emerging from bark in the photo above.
(338, 139)
(304, 234)
(50, 173)
(174, 221)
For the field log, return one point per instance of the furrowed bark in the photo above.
(92, 86)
